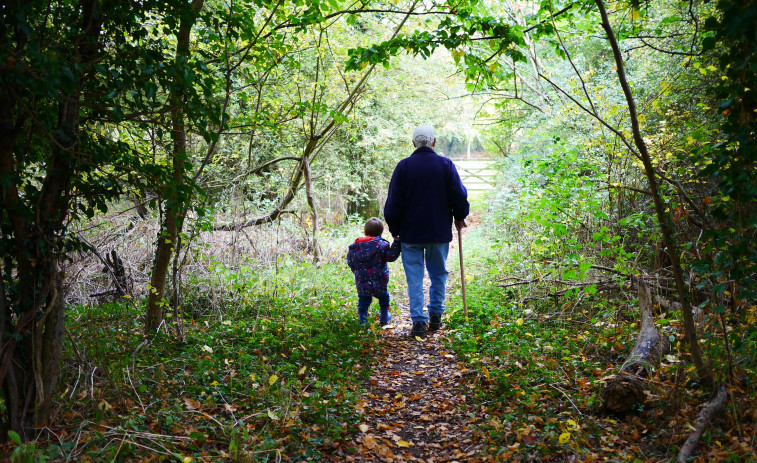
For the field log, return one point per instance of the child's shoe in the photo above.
(388, 319)
(363, 318)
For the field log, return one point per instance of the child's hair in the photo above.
(373, 227)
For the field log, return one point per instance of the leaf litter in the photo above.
(415, 407)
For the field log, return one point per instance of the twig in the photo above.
(76, 349)
(567, 397)
(75, 384)
(149, 435)
(92, 385)
(141, 404)
(206, 415)
(520, 283)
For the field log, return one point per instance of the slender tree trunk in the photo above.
(178, 196)
(313, 209)
(671, 247)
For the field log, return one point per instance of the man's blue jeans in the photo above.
(434, 257)
(364, 303)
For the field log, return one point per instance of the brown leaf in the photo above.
(369, 441)
(191, 404)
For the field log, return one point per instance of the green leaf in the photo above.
(14, 437)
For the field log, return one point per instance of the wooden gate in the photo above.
(478, 175)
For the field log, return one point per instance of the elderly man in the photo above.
(425, 195)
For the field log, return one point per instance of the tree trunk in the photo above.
(48, 347)
(178, 197)
(626, 389)
(313, 209)
(671, 247)
(163, 249)
(36, 314)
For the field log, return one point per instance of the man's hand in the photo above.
(459, 224)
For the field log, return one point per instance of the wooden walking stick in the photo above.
(462, 270)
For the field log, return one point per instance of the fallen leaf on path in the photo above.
(369, 441)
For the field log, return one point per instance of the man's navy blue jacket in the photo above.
(425, 194)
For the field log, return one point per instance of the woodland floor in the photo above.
(289, 376)
(424, 403)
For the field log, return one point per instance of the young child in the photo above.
(367, 257)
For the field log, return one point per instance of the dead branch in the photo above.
(706, 415)
(602, 285)
(114, 266)
(267, 164)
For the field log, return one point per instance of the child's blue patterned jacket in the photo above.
(367, 257)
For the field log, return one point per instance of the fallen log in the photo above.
(706, 415)
(627, 389)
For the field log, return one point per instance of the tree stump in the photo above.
(627, 389)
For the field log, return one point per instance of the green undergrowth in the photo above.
(538, 369)
(273, 375)
(537, 375)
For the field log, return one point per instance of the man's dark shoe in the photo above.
(435, 321)
(419, 329)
